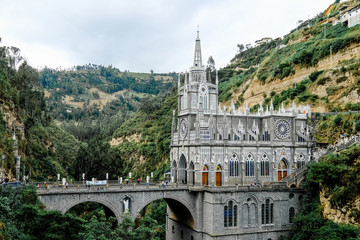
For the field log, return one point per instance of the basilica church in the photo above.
(222, 146)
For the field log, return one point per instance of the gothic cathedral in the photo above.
(222, 146)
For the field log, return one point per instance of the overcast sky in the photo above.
(140, 35)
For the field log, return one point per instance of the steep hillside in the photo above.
(316, 65)
(90, 100)
(23, 112)
(144, 139)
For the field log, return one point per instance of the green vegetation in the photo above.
(23, 217)
(332, 127)
(337, 175)
(24, 103)
(107, 79)
(302, 48)
(152, 126)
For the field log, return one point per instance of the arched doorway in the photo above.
(174, 171)
(205, 175)
(218, 175)
(282, 169)
(192, 173)
(182, 170)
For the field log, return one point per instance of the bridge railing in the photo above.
(110, 185)
(154, 185)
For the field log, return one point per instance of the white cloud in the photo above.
(140, 35)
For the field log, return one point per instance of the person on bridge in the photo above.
(138, 181)
(46, 185)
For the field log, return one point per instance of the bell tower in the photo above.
(197, 89)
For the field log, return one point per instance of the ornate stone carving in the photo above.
(282, 129)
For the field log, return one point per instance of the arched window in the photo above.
(182, 170)
(249, 213)
(230, 215)
(234, 166)
(291, 214)
(182, 234)
(265, 165)
(266, 136)
(192, 173)
(267, 215)
(249, 166)
(173, 229)
(300, 161)
(174, 170)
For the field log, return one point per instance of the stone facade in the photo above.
(218, 146)
(215, 148)
(239, 214)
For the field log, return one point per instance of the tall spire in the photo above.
(197, 55)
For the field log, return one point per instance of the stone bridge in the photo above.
(194, 211)
(181, 201)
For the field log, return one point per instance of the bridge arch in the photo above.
(180, 209)
(114, 209)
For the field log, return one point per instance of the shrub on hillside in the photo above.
(283, 70)
(337, 120)
(341, 79)
(322, 81)
(314, 75)
(357, 126)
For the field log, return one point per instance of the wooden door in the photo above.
(284, 174)
(218, 179)
(279, 176)
(205, 178)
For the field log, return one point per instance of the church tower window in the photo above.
(234, 166)
(265, 165)
(249, 166)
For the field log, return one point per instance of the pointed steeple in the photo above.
(197, 55)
